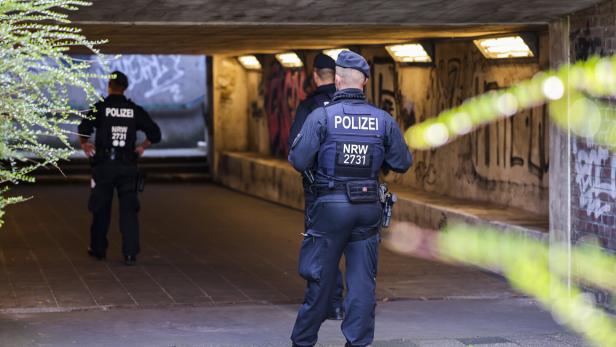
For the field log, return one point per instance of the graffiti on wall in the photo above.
(384, 92)
(511, 151)
(595, 178)
(593, 168)
(157, 79)
(383, 85)
(514, 150)
(594, 185)
(172, 88)
(584, 45)
(284, 89)
(517, 142)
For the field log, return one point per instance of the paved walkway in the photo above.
(201, 245)
(218, 268)
(409, 323)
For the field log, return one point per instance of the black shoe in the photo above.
(337, 314)
(130, 260)
(97, 255)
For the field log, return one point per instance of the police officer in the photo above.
(323, 76)
(349, 141)
(114, 165)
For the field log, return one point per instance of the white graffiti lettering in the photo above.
(154, 75)
(588, 167)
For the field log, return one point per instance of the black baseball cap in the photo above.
(323, 61)
(120, 79)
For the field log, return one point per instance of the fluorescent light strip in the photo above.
(409, 53)
(289, 60)
(249, 62)
(504, 47)
(333, 53)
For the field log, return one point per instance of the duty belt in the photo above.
(324, 189)
(356, 191)
(115, 155)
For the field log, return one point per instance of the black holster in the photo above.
(140, 184)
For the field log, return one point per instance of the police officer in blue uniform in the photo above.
(349, 141)
(114, 165)
(323, 75)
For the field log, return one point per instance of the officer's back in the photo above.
(349, 141)
(114, 155)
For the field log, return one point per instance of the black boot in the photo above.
(97, 255)
(130, 260)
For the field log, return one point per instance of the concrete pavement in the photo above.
(408, 323)
(201, 245)
(218, 268)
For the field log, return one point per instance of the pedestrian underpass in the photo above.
(225, 225)
(221, 215)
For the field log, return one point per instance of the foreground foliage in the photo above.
(36, 74)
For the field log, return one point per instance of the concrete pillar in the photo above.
(230, 118)
(560, 151)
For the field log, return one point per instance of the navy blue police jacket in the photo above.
(323, 94)
(349, 139)
(117, 120)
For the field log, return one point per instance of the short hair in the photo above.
(325, 74)
(350, 76)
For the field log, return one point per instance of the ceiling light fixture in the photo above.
(289, 60)
(504, 47)
(333, 52)
(249, 62)
(409, 53)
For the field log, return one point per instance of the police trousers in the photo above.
(309, 199)
(337, 227)
(108, 176)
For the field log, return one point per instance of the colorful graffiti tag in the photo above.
(284, 89)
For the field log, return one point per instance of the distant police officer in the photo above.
(114, 165)
(349, 141)
(323, 76)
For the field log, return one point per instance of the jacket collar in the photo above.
(326, 89)
(349, 93)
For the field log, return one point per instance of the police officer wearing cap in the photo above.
(349, 141)
(114, 155)
(323, 76)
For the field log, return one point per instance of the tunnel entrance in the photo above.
(205, 244)
(221, 216)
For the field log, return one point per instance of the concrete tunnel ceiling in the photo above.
(264, 26)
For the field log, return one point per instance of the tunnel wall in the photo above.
(230, 102)
(591, 179)
(505, 163)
